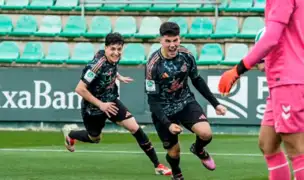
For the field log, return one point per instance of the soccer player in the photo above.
(100, 102)
(171, 101)
(283, 48)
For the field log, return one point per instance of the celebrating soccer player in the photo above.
(100, 92)
(171, 101)
(283, 48)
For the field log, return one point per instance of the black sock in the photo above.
(174, 163)
(200, 144)
(82, 135)
(144, 143)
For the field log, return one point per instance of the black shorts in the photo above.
(190, 115)
(95, 123)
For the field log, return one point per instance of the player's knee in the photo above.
(130, 124)
(268, 147)
(95, 139)
(293, 144)
(205, 136)
(174, 152)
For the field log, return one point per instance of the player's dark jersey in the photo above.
(167, 86)
(100, 77)
(170, 78)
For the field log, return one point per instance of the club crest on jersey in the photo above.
(184, 67)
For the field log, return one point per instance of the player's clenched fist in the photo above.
(108, 108)
(228, 79)
(221, 110)
(175, 129)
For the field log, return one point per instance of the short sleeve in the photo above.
(89, 72)
(151, 80)
(281, 11)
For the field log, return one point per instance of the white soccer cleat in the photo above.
(69, 142)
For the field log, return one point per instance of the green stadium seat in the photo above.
(26, 25)
(126, 26)
(192, 49)
(100, 27)
(153, 48)
(235, 53)
(251, 26)
(49, 26)
(6, 25)
(163, 7)
(113, 7)
(211, 54)
(15, 4)
(239, 6)
(226, 27)
(149, 28)
(9, 51)
(75, 27)
(65, 5)
(182, 22)
(58, 52)
(201, 27)
(33, 52)
(91, 5)
(138, 7)
(134, 54)
(82, 54)
(40, 4)
(258, 6)
(207, 7)
(187, 7)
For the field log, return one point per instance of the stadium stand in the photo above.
(54, 32)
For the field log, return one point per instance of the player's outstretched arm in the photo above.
(124, 79)
(278, 18)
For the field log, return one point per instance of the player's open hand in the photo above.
(109, 108)
(124, 79)
(175, 129)
(221, 110)
(228, 79)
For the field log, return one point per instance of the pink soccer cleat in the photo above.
(205, 158)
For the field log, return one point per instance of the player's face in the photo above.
(170, 44)
(113, 52)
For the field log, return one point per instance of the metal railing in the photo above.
(215, 2)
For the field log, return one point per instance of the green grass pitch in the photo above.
(42, 156)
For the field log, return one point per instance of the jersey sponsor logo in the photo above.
(236, 102)
(89, 76)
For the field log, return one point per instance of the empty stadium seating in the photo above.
(68, 5)
(133, 53)
(99, 26)
(63, 36)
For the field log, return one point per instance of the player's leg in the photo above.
(269, 144)
(288, 102)
(194, 119)
(91, 134)
(170, 143)
(125, 119)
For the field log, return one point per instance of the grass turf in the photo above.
(118, 157)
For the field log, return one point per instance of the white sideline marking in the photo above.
(118, 152)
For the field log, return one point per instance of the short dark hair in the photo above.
(114, 38)
(169, 29)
